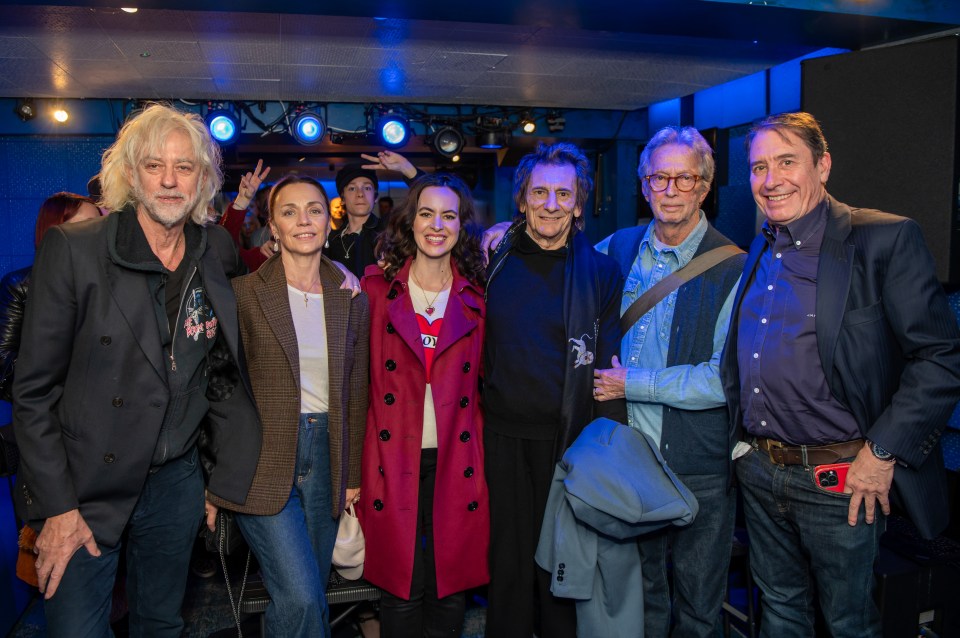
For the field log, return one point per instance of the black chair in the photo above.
(340, 591)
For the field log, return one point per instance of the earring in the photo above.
(276, 245)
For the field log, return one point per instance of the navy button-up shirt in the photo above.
(783, 389)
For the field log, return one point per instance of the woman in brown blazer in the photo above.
(306, 348)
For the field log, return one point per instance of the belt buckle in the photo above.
(775, 445)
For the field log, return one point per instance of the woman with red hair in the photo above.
(61, 208)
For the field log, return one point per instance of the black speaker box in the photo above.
(890, 116)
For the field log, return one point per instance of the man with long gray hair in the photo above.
(128, 352)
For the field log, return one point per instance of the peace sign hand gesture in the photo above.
(250, 184)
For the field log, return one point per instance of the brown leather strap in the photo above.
(784, 454)
(674, 280)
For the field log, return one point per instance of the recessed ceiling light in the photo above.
(129, 9)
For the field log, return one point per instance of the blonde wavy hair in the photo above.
(144, 134)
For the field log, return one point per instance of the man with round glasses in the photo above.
(670, 377)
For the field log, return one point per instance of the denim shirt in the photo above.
(650, 384)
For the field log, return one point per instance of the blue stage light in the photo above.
(308, 128)
(393, 131)
(224, 126)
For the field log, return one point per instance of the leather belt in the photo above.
(784, 454)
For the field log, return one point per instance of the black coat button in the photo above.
(105, 340)
(464, 402)
(466, 367)
(388, 398)
(473, 506)
(562, 566)
(384, 435)
(109, 458)
(390, 328)
(468, 472)
(378, 505)
(392, 294)
(560, 572)
(390, 365)
(117, 402)
(559, 579)
(464, 436)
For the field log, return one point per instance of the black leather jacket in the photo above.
(13, 296)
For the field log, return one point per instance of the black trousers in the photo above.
(520, 604)
(424, 615)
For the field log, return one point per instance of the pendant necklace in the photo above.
(431, 307)
(346, 251)
(306, 298)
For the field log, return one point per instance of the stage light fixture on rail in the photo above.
(527, 124)
(308, 128)
(446, 141)
(25, 109)
(224, 126)
(393, 131)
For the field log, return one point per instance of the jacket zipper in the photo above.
(176, 324)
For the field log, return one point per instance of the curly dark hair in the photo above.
(397, 243)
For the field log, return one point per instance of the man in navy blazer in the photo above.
(841, 350)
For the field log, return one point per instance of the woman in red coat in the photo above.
(424, 509)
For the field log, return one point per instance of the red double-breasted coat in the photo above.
(391, 450)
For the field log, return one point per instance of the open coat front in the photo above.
(391, 450)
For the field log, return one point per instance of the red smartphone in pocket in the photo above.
(833, 477)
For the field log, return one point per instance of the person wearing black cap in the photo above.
(353, 243)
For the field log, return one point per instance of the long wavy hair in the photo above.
(57, 209)
(145, 133)
(397, 243)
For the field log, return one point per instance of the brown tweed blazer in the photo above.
(273, 361)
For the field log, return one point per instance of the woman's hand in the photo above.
(249, 184)
(390, 161)
(353, 495)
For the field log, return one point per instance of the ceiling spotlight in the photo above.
(492, 132)
(61, 115)
(308, 128)
(556, 122)
(455, 158)
(224, 126)
(446, 141)
(129, 9)
(25, 109)
(493, 138)
(527, 124)
(393, 131)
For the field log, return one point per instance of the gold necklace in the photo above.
(431, 308)
(306, 298)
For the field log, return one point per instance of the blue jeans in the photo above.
(799, 537)
(295, 546)
(161, 532)
(700, 555)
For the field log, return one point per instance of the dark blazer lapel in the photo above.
(274, 302)
(756, 249)
(131, 294)
(834, 273)
(222, 299)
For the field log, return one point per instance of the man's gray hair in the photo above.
(144, 134)
(683, 136)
